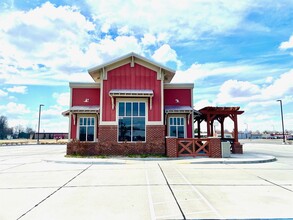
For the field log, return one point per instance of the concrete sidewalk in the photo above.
(245, 158)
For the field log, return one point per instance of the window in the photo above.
(86, 128)
(131, 121)
(176, 127)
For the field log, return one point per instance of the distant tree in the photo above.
(29, 130)
(4, 129)
(21, 132)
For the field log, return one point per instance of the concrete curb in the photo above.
(90, 161)
(248, 158)
(235, 159)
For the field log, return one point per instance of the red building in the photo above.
(131, 103)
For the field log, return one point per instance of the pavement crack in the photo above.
(43, 200)
(182, 213)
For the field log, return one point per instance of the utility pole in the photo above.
(40, 108)
(281, 105)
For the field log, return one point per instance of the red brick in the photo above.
(107, 143)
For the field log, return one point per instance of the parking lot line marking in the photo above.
(201, 212)
(186, 200)
(172, 192)
(200, 195)
(168, 217)
(152, 210)
(164, 202)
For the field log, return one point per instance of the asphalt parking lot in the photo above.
(33, 186)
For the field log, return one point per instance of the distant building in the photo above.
(49, 135)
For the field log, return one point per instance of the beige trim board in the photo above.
(178, 85)
(84, 85)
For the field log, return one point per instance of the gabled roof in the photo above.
(131, 58)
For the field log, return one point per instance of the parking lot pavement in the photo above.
(33, 188)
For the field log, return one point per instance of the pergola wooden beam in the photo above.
(209, 114)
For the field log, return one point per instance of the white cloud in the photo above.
(180, 19)
(244, 91)
(148, 39)
(55, 126)
(280, 87)
(166, 54)
(52, 119)
(287, 44)
(44, 42)
(200, 71)
(269, 79)
(105, 28)
(18, 89)
(3, 93)
(237, 91)
(109, 48)
(13, 122)
(13, 108)
(203, 103)
(194, 72)
(62, 98)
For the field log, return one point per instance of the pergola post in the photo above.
(235, 128)
(198, 128)
(222, 119)
(208, 125)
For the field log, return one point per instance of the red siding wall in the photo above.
(80, 94)
(137, 77)
(73, 129)
(183, 95)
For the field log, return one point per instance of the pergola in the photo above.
(210, 114)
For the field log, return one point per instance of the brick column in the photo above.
(171, 147)
(215, 148)
(237, 148)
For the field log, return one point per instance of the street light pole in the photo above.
(281, 105)
(246, 130)
(40, 107)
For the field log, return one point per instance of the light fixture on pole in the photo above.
(246, 130)
(281, 105)
(40, 107)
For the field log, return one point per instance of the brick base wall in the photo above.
(155, 144)
(171, 147)
(107, 143)
(215, 148)
(107, 133)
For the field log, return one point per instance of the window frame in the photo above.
(132, 116)
(86, 126)
(175, 116)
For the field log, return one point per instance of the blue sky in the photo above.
(237, 53)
